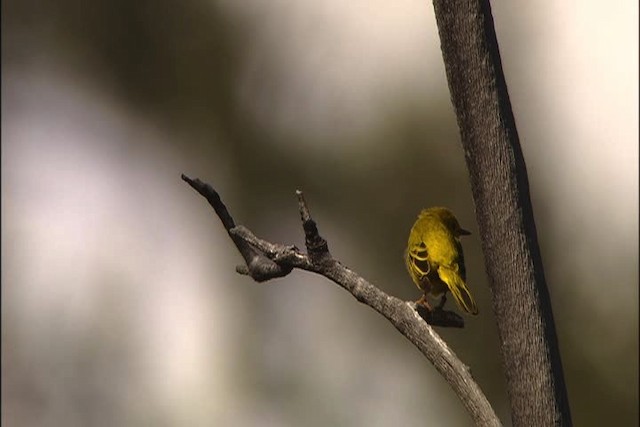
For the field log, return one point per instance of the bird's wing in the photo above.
(418, 258)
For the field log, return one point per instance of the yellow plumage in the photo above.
(435, 260)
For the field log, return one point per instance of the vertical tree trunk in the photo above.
(497, 170)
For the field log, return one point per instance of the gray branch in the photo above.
(266, 260)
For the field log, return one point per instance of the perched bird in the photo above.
(435, 260)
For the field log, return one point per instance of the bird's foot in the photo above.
(423, 302)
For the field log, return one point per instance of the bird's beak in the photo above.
(463, 232)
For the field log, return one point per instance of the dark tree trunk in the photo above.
(521, 303)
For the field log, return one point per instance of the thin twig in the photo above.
(266, 260)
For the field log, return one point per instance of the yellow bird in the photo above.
(435, 260)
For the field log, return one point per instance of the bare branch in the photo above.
(266, 260)
(260, 267)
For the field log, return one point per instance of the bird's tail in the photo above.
(458, 289)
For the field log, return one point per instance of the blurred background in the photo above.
(120, 304)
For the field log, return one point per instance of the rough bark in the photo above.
(499, 182)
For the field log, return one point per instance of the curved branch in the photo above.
(266, 260)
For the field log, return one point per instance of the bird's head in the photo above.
(448, 219)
